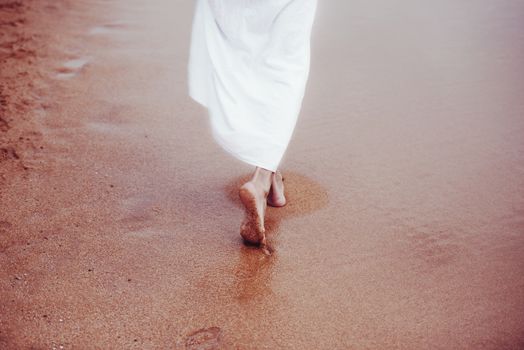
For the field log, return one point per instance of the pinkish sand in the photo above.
(119, 216)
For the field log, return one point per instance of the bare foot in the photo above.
(254, 199)
(276, 197)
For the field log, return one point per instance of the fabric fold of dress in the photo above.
(249, 64)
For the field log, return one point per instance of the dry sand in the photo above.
(119, 217)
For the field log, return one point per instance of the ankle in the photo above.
(263, 178)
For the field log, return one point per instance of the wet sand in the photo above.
(119, 216)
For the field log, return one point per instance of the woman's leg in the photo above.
(276, 197)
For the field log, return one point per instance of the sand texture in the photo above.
(120, 215)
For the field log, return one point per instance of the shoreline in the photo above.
(120, 217)
(19, 53)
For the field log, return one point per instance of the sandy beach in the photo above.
(119, 214)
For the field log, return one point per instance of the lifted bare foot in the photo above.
(253, 195)
(276, 197)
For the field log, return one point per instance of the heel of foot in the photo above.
(280, 204)
(252, 234)
(252, 229)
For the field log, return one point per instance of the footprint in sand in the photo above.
(204, 339)
(4, 225)
(107, 28)
(8, 153)
(71, 68)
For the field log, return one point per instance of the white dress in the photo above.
(249, 63)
